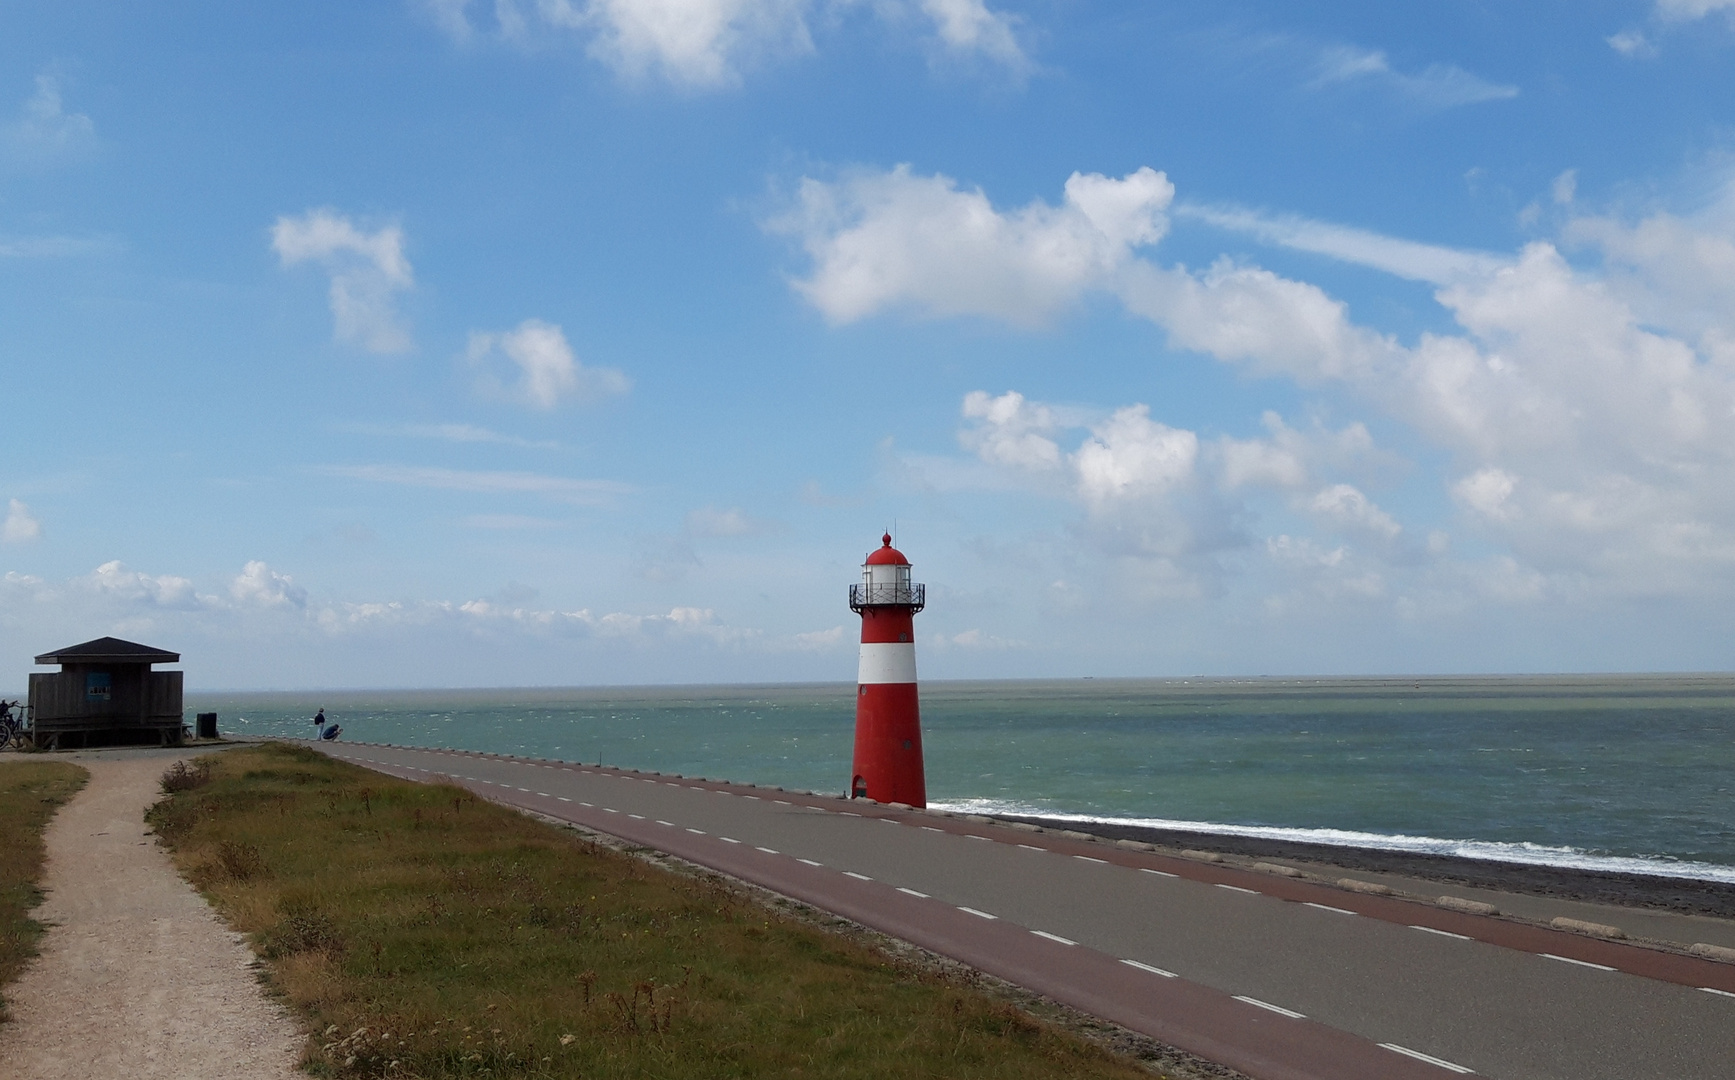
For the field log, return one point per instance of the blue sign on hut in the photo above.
(106, 693)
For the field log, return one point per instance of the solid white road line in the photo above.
(1429, 1058)
(858, 877)
(1328, 907)
(1159, 873)
(1053, 937)
(1442, 933)
(913, 892)
(1278, 1009)
(978, 914)
(1236, 888)
(1580, 963)
(1149, 968)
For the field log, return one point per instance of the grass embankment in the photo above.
(429, 934)
(30, 793)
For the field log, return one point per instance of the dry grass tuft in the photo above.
(423, 933)
(183, 777)
(30, 792)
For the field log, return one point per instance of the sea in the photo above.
(1630, 773)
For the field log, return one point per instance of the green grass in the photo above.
(427, 934)
(30, 792)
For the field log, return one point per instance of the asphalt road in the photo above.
(1277, 978)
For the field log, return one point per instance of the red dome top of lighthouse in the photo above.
(887, 555)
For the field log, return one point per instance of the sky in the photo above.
(576, 342)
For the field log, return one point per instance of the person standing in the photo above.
(319, 722)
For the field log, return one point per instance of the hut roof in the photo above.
(109, 650)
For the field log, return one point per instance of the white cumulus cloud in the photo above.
(710, 44)
(1130, 455)
(1437, 86)
(20, 525)
(368, 270)
(545, 370)
(895, 239)
(1583, 418)
(44, 131)
(261, 586)
(969, 27)
(1693, 9)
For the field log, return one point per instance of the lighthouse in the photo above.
(888, 729)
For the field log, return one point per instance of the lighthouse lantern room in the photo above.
(888, 733)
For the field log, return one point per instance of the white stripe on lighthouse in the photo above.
(887, 662)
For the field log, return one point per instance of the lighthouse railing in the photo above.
(902, 594)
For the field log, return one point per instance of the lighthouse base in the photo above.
(888, 745)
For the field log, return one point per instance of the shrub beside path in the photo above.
(138, 978)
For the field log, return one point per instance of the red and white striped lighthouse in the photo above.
(888, 728)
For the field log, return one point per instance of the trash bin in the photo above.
(207, 725)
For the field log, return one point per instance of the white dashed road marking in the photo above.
(1237, 888)
(1159, 873)
(1430, 1059)
(1053, 937)
(809, 862)
(1580, 963)
(1328, 907)
(913, 892)
(1087, 858)
(858, 877)
(978, 914)
(1713, 990)
(1278, 1009)
(1442, 933)
(1149, 968)
(766, 850)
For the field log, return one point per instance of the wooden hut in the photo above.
(106, 693)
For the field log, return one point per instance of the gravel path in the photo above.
(138, 978)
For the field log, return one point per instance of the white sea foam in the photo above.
(1492, 850)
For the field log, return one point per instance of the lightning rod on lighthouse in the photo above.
(888, 731)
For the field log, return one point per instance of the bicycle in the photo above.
(14, 727)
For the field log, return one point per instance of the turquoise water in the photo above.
(1618, 773)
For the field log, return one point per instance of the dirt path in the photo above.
(138, 979)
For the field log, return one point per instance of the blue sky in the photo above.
(595, 341)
